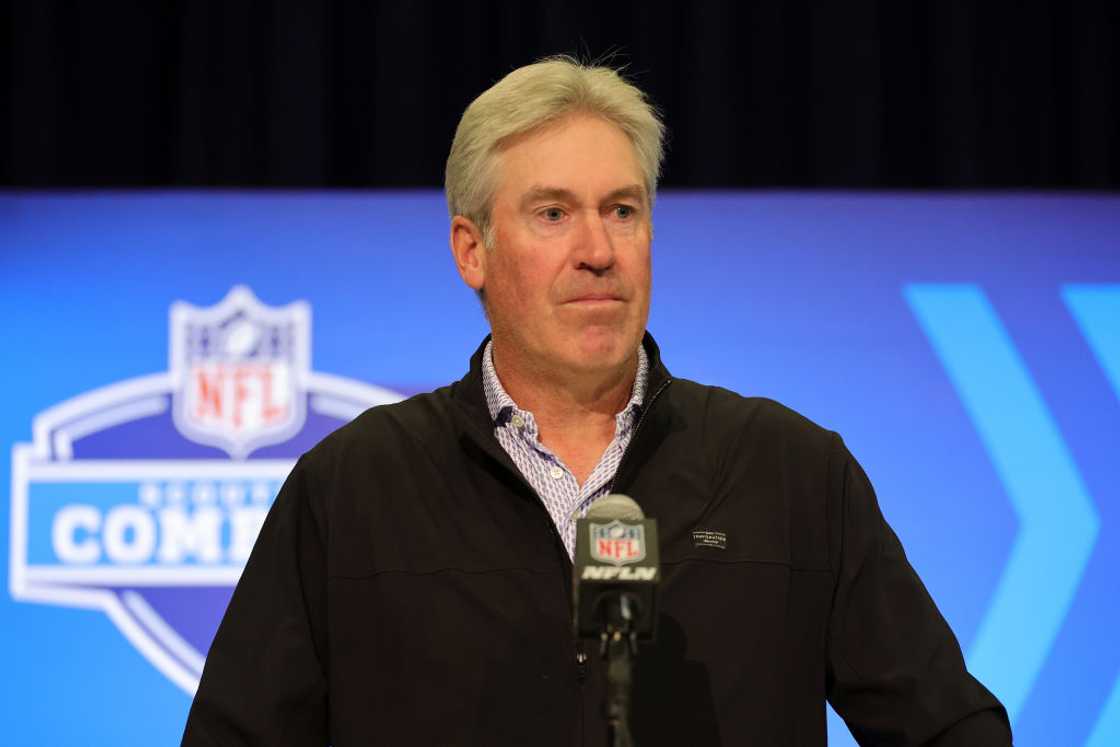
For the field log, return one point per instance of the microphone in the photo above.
(614, 596)
(616, 570)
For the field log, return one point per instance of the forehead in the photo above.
(581, 153)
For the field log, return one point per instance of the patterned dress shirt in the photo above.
(559, 491)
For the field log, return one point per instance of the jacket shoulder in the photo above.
(384, 430)
(728, 415)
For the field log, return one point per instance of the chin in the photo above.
(605, 351)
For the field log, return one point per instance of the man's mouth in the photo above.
(595, 298)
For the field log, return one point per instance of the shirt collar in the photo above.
(501, 405)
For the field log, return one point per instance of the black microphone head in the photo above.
(615, 506)
(616, 559)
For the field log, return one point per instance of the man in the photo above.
(412, 581)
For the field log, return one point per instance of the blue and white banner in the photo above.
(169, 356)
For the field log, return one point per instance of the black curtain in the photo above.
(780, 93)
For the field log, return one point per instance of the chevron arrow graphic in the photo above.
(1096, 309)
(1058, 523)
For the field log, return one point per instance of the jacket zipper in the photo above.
(637, 428)
(581, 655)
(580, 652)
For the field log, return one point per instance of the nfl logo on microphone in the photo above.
(617, 543)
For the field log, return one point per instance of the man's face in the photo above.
(568, 280)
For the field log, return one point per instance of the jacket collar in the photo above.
(476, 429)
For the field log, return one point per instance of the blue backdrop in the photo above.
(967, 348)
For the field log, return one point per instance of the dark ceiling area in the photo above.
(794, 94)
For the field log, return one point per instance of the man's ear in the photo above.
(469, 251)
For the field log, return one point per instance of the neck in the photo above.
(564, 402)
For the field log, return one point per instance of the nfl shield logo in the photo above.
(239, 367)
(617, 543)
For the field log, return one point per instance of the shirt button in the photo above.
(556, 472)
(518, 421)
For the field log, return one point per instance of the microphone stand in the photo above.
(619, 645)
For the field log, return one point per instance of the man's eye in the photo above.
(623, 211)
(553, 215)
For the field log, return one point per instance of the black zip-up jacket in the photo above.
(409, 588)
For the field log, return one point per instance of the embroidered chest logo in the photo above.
(709, 538)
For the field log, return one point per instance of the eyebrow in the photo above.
(538, 193)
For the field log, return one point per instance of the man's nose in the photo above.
(594, 249)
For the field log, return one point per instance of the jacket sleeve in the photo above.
(896, 674)
(264, 682)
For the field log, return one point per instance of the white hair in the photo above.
(532, 97)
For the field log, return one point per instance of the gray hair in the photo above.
(532, 97)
